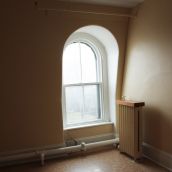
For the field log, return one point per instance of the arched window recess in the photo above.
(85, 93)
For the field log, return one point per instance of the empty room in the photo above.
(86, 86)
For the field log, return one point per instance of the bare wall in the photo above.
(148, 70)
(30, 70)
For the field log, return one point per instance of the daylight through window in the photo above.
(82, 83)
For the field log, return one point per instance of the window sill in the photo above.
(88, 125)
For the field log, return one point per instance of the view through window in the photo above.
(82, 83)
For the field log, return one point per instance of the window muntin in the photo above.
(81, 83)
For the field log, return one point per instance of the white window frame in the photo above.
(100, 54)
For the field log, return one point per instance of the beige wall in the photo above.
(30, 70)
(148, 70)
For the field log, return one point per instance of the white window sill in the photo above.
(88, 125)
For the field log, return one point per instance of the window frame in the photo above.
(101, 67)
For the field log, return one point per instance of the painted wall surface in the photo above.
(31, 69)
(89, 131)
(148, 70)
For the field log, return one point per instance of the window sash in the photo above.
(101, 81)
(100, 103)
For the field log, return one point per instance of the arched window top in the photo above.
(81, 63)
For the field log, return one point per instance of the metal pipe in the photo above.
(101, 143)
(70, 149)
(47, 154)
(46, 10)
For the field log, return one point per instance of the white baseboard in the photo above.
(159, 157)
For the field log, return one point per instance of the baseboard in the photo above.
(159, 157)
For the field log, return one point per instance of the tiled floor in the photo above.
(106, 161)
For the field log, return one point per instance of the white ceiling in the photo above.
(121, 3)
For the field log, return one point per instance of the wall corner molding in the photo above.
(161, 158)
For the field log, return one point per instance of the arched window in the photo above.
(90, 65)
(82, 83)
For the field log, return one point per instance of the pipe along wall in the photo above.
(53, 153)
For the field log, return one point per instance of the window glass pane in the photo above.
(91, 103)
(71, 64)
(74, 104)
(88, 61)
(82, 104)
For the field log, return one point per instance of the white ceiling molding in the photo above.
(120, 3)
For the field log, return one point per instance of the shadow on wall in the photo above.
(155, 123)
